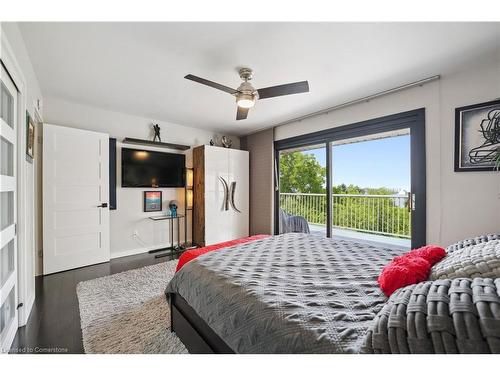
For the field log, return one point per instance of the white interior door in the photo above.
(8, 212)
(75, 198)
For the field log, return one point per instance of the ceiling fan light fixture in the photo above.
(246, 95)
(245, 100)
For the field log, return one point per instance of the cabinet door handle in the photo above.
(103, 205)
(225, 205)
(231, 200)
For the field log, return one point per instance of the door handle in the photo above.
(231, 200)
(411, 202)
(103, 205)
(226, 194)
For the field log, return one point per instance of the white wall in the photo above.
(458, 204)
(16, 58)
(129, 215)
(16, 42)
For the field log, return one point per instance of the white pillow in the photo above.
(480, 260)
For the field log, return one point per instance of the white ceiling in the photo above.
(138, 68)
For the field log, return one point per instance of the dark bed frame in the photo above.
(192, 330)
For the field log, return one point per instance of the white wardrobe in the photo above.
(221, 195)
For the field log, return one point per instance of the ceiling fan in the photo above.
(246, 95)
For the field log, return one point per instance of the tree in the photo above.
(340, 189)
(301, 173)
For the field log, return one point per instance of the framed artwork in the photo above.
(477, 137)
(30, 138)
(152, 201)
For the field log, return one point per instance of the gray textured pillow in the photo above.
(472, 241)
(479, 260)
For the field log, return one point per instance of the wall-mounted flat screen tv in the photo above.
(141, 168)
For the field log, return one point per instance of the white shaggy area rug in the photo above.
(127, 312)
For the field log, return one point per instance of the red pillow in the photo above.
(410, 268)
(431, 253)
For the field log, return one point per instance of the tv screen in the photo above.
(141, 168)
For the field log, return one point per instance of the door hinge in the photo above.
(15, 229)
(19, 306)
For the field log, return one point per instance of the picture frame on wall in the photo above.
(30, 138)
(477, 137)
(152, 201)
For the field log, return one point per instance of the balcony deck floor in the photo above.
(320, 230)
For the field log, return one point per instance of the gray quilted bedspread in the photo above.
(293, 293)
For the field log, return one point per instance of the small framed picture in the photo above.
(152, 201)
(477, 137)
(30, 138)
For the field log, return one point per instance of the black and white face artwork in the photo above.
(478, 131)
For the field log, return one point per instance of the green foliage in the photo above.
(354, 189)
(301, 173)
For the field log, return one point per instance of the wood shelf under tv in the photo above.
(156, 144)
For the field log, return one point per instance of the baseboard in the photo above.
(141, 250)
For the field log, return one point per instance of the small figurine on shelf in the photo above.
(212, 143)
(156, 129)
(173, 208)
(226, 142)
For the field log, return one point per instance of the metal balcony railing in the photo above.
(380, 214)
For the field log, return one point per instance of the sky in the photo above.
(378, 163)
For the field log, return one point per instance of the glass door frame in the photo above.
(413, 120)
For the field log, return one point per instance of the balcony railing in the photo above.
(380, 214)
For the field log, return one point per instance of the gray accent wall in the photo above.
(260, 146)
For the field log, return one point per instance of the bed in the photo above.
(292, 293)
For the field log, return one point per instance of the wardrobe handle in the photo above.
(225, 205)
(233, 190)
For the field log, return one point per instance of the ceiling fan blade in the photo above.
(215, 85)
(288, 89)
(242, 113)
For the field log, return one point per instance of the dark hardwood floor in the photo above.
(54, 323)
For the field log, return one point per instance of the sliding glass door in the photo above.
(364, 181)
(371, 188)
(302, 190)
